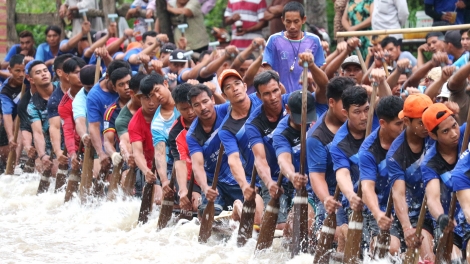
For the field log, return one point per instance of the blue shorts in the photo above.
(224, 201)
(285, 200)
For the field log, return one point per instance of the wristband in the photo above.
(42, 156)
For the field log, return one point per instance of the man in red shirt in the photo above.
(139, 128)
(179, 147)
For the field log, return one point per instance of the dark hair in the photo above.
(150, 33)
(294, 7)
(71, 64)
(59, 61)
(33, 64)
(87, 74)
(204, 53)
(149, 81)
(389, 107)
(16, 59)
(354, 95)
(197, 90)
(180, 93)
(134, 83)
(337, 85)
(25, 34)
(437, 34)
(56, 29)
(388, 40)
(264, 78)
(116, 64)
(118, 74)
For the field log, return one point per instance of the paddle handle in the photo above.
(253, 177)
(217, 166)
(361, 60)
(97, 70)
(303, 128)
(370, 114)
(191, 187)
(388, 211)
(337, 193)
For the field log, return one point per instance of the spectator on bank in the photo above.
(390, 15)
(453, 45)
(273, 15)
(25, 47)
(393, 47)
(71, 7)
(434, 43)
(189, 12)
(250, 14)
(48, 50)
(358, 16)
(441, 10)
(465, 40)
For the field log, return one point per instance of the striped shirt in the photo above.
(251, 12)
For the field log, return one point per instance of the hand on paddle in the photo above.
(377, 75)
(355, 202)
(167, 191)
(86, 140)
(210, 194)
(105, 161)
(331, 204)
(62, 159)
(12, 145)
(353, 43)
(411, 240)
(447, 72)
(440, 59)
(299, 181)
(185, 203)
(383, 221)
(131, 161)
(306, 56)
(149, 176)
(75, 162)
(32, 153)
(46, 162)
(274, 191)
(248, 192)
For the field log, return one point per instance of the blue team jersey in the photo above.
(403, 165)
(373, 166)
(54, 101)
(287, 140)
(259, 130)
(345, 154)
(97, 101)
(461, 181)
(318, 154)
(434, 166)
(209, 144)
(233, 136)
(9, 98)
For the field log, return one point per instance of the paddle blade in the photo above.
(72, 185)
(86, 179)
(98, 184)
(165, 212)
(129, 182)
(382, 246)
(44, 182)
(147, 201)
(300, 223)
(246, 222)
(114, 181)
(325, 241)
(61, 177)
(353, 240)
(29, 166)
(206, 223)
(268, 226)
(10, 162)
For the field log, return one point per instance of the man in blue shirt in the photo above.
(150, 42)
(437, 167)
(320, 165)
(283, 48)
(259, 128)
(286, 143)
(26, 48)
(232, 134)
(102, 95)
(373, 170)
(403, 160)
(204, 145)
(440, 10)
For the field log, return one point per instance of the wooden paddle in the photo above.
(208, 214)
(16, 129)
(167, 203)
(327, 235)
(97, 70)
(74, 177)
(382, 245)
(86, 179)
(147, 199)
(44, 182)
(412, 254)
(98, 183)
(353, 240)
(61, 176)
(114, 181)
(247, 218)
(188, 214)
(268, 226)
(300, 222)
(445, 245)
(129, 182)
(30, 164)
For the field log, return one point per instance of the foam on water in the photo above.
(42, 229)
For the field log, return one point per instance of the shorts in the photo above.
(320, 215)
(285, 200)
(3, 136)
(224, 201)
(397, 230)
(139, 182)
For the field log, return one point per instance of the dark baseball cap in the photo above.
(295, 106)
(453, 37)
(178, 56)
(168, 47)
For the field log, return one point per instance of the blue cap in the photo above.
(26, 68)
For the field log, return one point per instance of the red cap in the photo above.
(111, 40)
(435, 114)
(415, 105)
(227, 73)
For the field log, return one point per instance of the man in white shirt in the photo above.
(390, 14)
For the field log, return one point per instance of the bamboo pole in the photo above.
(400, 31)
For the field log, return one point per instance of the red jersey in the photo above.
(71, 138)
(139, 130)
(178, 146)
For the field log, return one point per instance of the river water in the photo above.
(42, 229)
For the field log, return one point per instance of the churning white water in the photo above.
(42, 229)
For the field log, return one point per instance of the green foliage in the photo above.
(215, 18)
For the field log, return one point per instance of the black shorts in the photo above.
(3, 136)
(397, 230)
